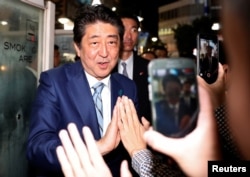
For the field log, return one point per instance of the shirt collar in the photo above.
(92, 80)
(129, 60)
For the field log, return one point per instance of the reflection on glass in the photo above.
(176, 100)
(208, 60)
(18, 77)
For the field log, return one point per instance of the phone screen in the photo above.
(174, 98)
(208, 57)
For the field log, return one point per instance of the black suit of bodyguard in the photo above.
(140, 76)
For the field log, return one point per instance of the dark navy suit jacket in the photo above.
(64, 96)
(166, 123)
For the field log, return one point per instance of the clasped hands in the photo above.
(124, 126)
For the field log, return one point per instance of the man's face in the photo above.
(130, 34)
(172, 91)
(99, 49)
(187, 88)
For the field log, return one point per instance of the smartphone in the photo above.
(174, 96)
(207, 57)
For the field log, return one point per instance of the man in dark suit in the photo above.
(65, 93)
(172, 113)
(188, 96)
(209, 66)
(136, 66)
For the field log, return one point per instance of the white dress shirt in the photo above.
(106, 98)
(129, 67)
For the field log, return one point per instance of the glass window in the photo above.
(20, 34)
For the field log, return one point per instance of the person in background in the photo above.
(68, 94)
(149, 55)
(132, 65)
(188, 96)
(161, 52)
(57, 59)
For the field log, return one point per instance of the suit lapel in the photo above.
(79, 91)
(116, 90)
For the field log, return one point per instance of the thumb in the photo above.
(145, 123)
(125, 170)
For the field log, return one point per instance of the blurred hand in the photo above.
(125, 170)
(145, 123)
(78, 159)
(131, 130)
(193, 151)
(217, 89)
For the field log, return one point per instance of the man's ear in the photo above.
(77, 49)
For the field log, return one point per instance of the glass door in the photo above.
(22, 58)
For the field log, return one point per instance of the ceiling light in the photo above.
(96, 2)
(216, 26)
(140, 18)
(4, 23)
(68, 26)
(63, 20)
(154, 39)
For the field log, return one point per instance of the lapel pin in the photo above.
(120, 92)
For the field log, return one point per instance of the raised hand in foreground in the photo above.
(83, 160)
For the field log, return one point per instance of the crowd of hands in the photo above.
(192, 152)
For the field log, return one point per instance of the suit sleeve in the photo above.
(147, 164)
(43, 136)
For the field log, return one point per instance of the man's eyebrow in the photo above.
(110, 35)
(94, 36)
(113, 36)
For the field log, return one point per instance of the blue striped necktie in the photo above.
(98, 104)
(125, 73)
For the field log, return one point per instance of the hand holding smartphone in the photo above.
(174, 95)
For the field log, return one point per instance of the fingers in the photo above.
(115, 112)
(221, 71)
(125, 170)
(94, 153)
(112, 127)
(70, 152)
(63, 160)
(122, 113)
(132, 109)
(161, 143)
(128, 112)
(206, 108)
(145, 123)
